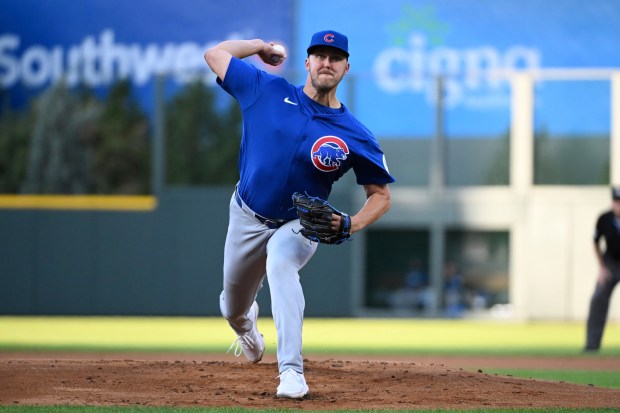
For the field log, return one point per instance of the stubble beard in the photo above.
(323, 87)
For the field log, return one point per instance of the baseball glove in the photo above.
(315, 215)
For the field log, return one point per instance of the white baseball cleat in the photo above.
(252, 343)
(292, 385)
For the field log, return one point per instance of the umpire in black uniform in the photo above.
(608, 227)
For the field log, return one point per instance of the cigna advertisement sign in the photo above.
(467, 71)
(398, 49)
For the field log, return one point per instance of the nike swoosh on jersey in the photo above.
(286, 100)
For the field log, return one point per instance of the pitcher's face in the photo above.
(326, 67)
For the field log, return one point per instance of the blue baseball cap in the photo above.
(329, 38)
(615, 193)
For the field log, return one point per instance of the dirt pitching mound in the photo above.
(334, 384)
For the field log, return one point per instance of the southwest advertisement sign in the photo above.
(97, 42)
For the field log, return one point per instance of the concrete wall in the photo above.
(552, 264)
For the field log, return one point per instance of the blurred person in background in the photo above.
(608, 227)
(413, 292)
(454, 290)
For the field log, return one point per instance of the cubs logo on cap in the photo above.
(329, 38)
(615, 192)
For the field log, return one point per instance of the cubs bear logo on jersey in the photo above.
(327, 152)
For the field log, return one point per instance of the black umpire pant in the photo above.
(599, 306)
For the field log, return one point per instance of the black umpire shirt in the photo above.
(608, 226)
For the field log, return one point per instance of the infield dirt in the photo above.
(335, 383)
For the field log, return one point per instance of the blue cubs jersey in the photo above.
(291, 144)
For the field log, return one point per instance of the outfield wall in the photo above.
(165, 261)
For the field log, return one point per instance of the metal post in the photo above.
(437, 172)
(437, 184)
(522, 134)
(437, 251)
(158, 150)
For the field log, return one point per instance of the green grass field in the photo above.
(321, 336)
(347, 336)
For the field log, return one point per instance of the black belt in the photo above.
(270, 223)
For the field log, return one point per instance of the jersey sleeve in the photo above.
(370, 167)
(244, 82)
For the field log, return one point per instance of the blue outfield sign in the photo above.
(397, 51)
(398, 48)
(97, 42)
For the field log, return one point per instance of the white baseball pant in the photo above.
(253, 251)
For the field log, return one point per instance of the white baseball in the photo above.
(280, 49)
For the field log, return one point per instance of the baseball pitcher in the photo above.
(297, 141)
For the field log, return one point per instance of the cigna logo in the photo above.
(414, 68)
